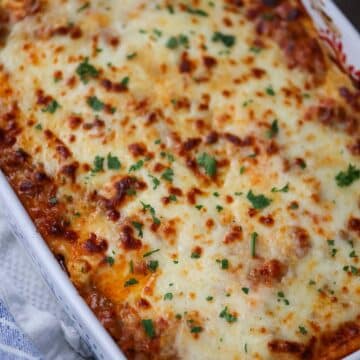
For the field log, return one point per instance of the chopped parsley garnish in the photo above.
(274, 129)
(148, 327)
(216, 194)
(137, 166)
(242, 170)
(98, 164)
(303, 330)
(331, 244)
(175, 41)
(125, 82)
(208, 163)
(281, 297)
(258, 201)
(152, 212)
(155, 181)
(95, 103)
(131, 282)
(168, 175)
(172, 43)
(224, 263)
(51, 107)
(170, 157)
(245, 290)
(113, 162)
(353, 254)
(86, 71)
(255, 49)
(230, 318)
(253, 239)
(153, 265)
(270, 91)
(38, 127)
(346, 178)
(199, 207)
(173, 197)
(196, 329)
(227, 40)
(209, 298)
(151, 252)
(131, 266)
(53, 200)
(131, 56)
(219, 208)
(195, 255)
(168, 296)
(351, 269)
(197, 12)
(284, 189)
(110, 260)
(83, 7)
(139, 227)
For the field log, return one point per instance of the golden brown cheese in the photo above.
(194, 167)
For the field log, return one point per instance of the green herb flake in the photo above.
(258, 201)
(130, 282)
(83, 7)
(225, 314)
(172, 43)
(208, 163)
(131, 56)
(38, 127)
(86, 71)
(151, 253)
(168, 175)
(199, 207)
(153, 265)
(51, 107)
(195, 255)
(137, 166)
(346, 178)
(98, 164)
(270, 91)
(113, 162)
(284, 189)
(53, 200)
(255, 49)
(95, 103)
(152, 212)
(245, 290)
(125, 82)
(219, 208)
(253, 240)
(303, 330)
(224, 264)
(209, 298)
(148, 327)
(110, 260)
(351, 269)
(155, 181)
(196, 330)
(197, 12)
(168, 296)
(139, 227)
(274, 129)
(227, 40)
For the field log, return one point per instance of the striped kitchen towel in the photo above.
(14, 345)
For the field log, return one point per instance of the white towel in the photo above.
(32, 305)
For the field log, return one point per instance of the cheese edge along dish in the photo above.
(115, 211)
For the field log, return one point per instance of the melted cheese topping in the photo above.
(229, 272)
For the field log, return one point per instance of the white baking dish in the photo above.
(334, 28)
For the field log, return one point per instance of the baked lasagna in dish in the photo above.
(194, 167)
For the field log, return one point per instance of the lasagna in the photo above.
(194, 167)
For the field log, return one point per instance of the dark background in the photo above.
(351, 8)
